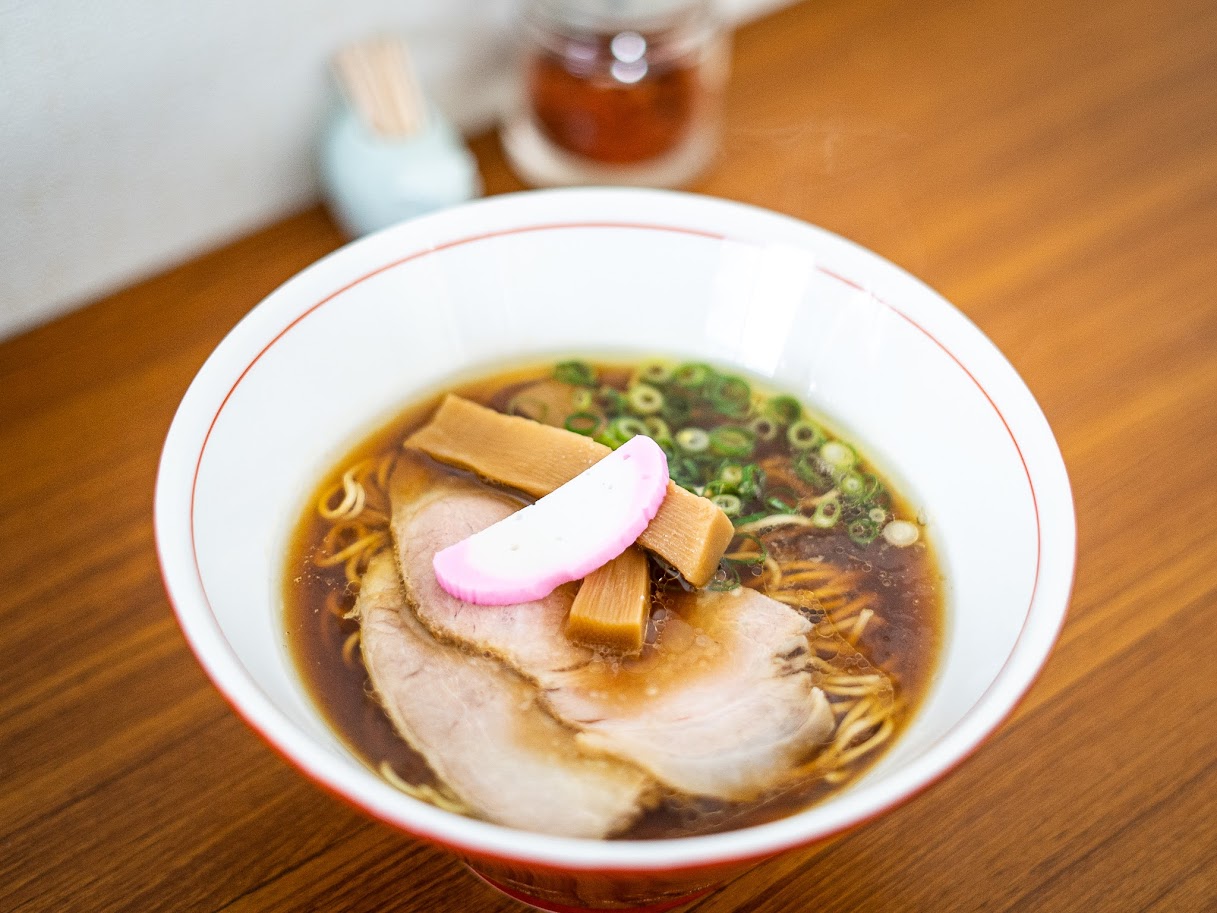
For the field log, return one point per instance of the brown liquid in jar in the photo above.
(592, 96)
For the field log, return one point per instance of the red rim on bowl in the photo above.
(191, 432)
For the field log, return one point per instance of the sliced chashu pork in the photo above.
(480, 728)
(724, 707)
(727, 711)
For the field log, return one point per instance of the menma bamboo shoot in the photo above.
(613, 604)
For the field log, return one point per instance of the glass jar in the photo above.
(616, 92)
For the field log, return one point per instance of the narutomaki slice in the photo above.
(572, 531)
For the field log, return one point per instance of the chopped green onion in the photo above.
(732, 441)
(658, 430)
(692, 375)
(809, 468)
(684, 472)
(758, 558)
(583, 399)
(644, 399)
(783, 409)
(753, 481)
(692, 440)
(805, 436)
(828, 512)
(729, 504)
(863, 530)
(579, 373)
(743, 521)
(620, 430)
(861, 488)
(730, 396)
(724, 579)
(853, 486)
(626, 427)
(655, 372)
(781, 506)
(732, 478)
(765, 429)
(840, 457)
(731, 474)
(676, 407)
(613, 401)
(878, 514)
(585, 423)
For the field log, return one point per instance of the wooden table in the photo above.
(1050, 167)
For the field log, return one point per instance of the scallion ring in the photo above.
(692, 440)
(655, 372)
(730, 396)
(582, 399)
(626, 427)
(676, 407)
(862, 530)
(765, 428)
(811, 470)
(805, 435)
(827, 513)
(729, 504)
(732, 441)
(658, 430)
(644, 399)
(725, 578)
(839, 456)
(613, 401)
(684, 471)
(853, 486)
(752, 482)
(579, 373)
(783, 409)
(585, 423)
(731, 475)
(692, 375)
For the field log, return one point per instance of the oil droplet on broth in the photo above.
(678, 636)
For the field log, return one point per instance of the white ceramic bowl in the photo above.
(341, 347)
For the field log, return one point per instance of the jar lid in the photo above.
(600, 15)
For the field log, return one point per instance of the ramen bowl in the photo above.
(342, 347)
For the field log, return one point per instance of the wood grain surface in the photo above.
(1051, 167)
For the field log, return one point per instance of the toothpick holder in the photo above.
(372, 181)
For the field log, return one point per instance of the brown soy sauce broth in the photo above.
(903, 640)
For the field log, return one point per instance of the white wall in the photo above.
(135, 133)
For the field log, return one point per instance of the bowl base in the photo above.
(571, 903)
